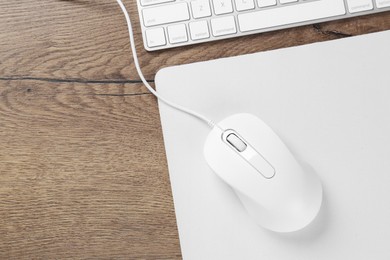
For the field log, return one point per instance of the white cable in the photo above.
(147, 85)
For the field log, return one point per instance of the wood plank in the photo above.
(88, 40)
(83, 174)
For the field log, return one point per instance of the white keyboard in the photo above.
(173, 23)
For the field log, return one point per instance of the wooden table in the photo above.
(83, 172)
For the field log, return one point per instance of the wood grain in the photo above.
(83, 172)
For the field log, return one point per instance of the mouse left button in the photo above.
(236, 142)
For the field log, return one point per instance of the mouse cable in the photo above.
(147, 85)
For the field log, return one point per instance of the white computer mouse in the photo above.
(270, 183)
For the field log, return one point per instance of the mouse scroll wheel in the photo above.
(236, 142)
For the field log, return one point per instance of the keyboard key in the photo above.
(177, 33)
(355, 6)
(154, 2)
(243, 5)
(199, 30)
(165, 14)
(382, 3)
(200, 8)
(287, 1)
(155, 37)
(265, 3)
(223, 26)
(222, 6)
(290, 14)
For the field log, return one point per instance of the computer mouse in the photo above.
(272, 186)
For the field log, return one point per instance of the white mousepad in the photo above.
(330, 103)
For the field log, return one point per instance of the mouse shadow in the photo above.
(315, 229)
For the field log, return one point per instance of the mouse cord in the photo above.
(147, 85)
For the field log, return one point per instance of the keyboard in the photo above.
(173, 23)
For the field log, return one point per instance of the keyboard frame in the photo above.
(235, 13)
